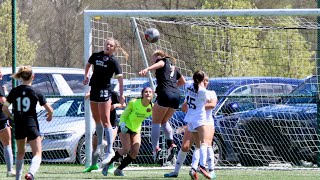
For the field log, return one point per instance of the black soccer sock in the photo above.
(115, 157)
(126, 161)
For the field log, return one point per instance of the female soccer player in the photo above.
(5, 135)
(168, 99)
(105, 64)
(115, 103)
(130, 125)
(198, 100)
(24, 99)
(187, 141)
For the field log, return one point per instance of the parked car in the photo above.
(285, 132)
(236, 96)
(63, 137)
(51, 80)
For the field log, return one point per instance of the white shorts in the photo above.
(192, 126)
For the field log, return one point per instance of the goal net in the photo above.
(255, 63)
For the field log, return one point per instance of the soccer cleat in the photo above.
(193, 174)
(105, 169)
(28, 176)
(111, 168)
(100, 148)
(11, 173)
(90, 168)
(204, 172)
(118, 172)
(212, 174)
(171, 175)
(108, 158)
(171, 152)
(156, 155)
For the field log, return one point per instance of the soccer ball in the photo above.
(151, 35)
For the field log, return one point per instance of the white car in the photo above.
(50, 80)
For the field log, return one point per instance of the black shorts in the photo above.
(4, 124)
(30, 132)
(168, 99)
(100, 94)
(128, 131)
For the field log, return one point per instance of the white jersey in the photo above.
(196, 103)
(212, 95)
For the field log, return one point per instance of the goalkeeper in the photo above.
(129, 132)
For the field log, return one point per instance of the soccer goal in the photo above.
(273, 121)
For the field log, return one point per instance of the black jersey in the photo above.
(167, 77)
(115, 98)
(24, 100)
(2, 115)
(104, 67)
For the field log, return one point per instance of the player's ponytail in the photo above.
(24, 73)
(163, 55)
(198, 77)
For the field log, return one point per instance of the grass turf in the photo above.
(74, 172)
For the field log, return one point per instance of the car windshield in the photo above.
(67, 108)
(305, 93)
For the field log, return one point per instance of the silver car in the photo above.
(63, 137)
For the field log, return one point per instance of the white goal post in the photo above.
(91, 14)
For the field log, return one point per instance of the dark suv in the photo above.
(285, 132)
(236, 95)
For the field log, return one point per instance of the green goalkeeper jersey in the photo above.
(134, 114)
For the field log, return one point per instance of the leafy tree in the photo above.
(26, 48)
(244, 46)
(285, 51)
(231, 49)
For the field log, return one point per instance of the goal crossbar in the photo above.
(203, 13)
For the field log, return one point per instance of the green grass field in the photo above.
(74, 172)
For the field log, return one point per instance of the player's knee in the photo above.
(185, 147)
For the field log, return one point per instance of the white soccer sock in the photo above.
(8, 157)
(210, 158)
(35, 165)
(195, 159)
(19, 168)
(180, 160)
(203, 154)
(109, 139)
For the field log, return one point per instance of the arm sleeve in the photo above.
(91, 58)
(178, 73)
(127, 111)
(10, 97)
(117, 66)
(42, 99)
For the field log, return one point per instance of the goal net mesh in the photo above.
(272, 126)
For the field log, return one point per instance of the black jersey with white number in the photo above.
(2, 115)
(104, 67)
(24, 100)
(167, 77)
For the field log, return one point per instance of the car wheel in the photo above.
(218, 150)
(81, 151)
(247, 160)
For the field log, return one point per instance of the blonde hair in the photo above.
(162, 54)
(118, 46)
(24, 73)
